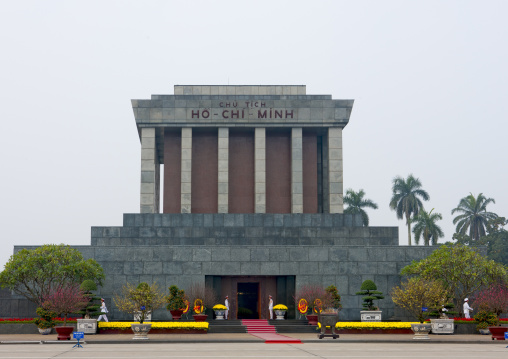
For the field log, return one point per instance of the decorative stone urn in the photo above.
(328, 320)
(87, 326)
(148, 317)
(370, 315)
(421, 330)
(280, 314)
(219, 314)
(141, 330)
(442, 326)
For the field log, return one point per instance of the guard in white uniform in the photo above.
(226, 303)
(270, 306)
(104, 310)
(467, 308)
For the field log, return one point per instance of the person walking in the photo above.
(104, 310)
(467, 308)
(270, 306)
(226, 303)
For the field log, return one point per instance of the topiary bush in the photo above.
(92, 308)
(176, 298)
(370, 294)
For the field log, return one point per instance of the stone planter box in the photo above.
(154, 331)
(87, 326)
(370, 315)
(442, 326)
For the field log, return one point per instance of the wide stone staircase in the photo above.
(279, 326)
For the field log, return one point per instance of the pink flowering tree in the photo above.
(64, 300)
(493, 299)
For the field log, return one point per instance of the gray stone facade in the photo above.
(181, 249)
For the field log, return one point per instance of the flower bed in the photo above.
(373, 327)
(157, 327)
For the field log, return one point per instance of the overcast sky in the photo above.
(429, 80)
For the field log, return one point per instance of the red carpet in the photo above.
(261, 329)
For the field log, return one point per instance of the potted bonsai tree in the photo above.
(414, 295)
(176, 302)
(485, 320)
(371, 313)
(45, 322)
(142, 299)
(334, 297)
(64, 300)
(440, 322)
(88, 324)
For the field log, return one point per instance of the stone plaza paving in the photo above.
(325, 349)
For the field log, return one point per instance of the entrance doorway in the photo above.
(248, 300)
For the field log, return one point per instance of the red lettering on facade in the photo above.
(235, 114)
(261, 114)
(278, 114)
(205, 114)
(289, 113)
(224, 114)
(195, 113)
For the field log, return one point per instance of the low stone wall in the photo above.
(25, 328)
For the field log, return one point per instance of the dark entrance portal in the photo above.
(248, 301)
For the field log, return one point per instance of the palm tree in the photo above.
(474, 215)
(425, 225)
(356, 203)
(405, 199)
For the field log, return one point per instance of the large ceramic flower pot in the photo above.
(141, 330)
(200, 317)
(219, 314)
(312, 318)
(176, 314)
(498, 332)
(64, 333)
(280, 314)
(421, 330)
(45, 331)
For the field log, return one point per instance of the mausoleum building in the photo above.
(252, 202)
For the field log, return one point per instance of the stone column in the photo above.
(186, 169)
(150, 172)
(335, 175)
(296, 171)
(260, 170)
(223, 165)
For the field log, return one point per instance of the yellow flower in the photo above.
(219, 307)
(156, 325)
(280, 307)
